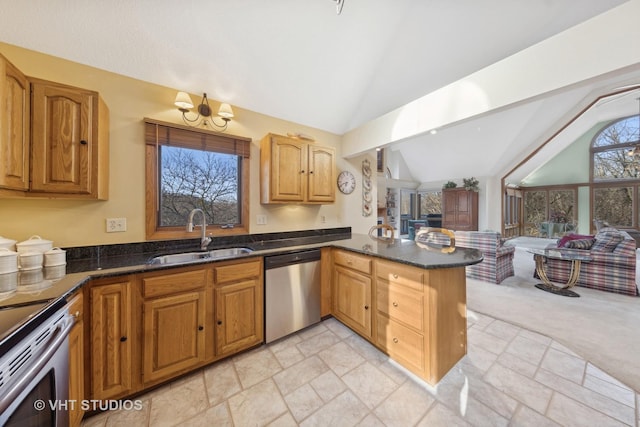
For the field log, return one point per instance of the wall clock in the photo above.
(346, 182)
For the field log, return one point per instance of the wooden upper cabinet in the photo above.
(14, 128)
(294, 171)
(322, 181)
(69, 141)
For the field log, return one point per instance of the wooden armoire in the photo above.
(459, 209)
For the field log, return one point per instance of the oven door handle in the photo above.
(40, 360)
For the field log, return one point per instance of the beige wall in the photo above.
(82, 223)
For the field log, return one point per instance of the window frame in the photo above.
(594, 150)
(195, 140)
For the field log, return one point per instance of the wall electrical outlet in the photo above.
(261, 219)
(115, 225)
(323, 219)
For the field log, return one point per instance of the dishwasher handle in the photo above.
(276, 261)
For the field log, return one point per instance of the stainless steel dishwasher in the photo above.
(292, 292)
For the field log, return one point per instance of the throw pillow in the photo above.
(606, 241)
(584, 244)
(562, 243)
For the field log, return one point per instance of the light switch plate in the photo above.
(261, 219)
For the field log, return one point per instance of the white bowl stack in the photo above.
(31, 252)
(8, 261)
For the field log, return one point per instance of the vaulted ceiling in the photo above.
(300, 61)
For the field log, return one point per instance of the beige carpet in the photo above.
(602, 327)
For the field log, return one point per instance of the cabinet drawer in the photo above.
(401, 303)
(351, 260)
(400, 274)
(401, 343)
(173, 283)
(234, 272)
(76, 306)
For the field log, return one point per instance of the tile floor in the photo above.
(329, 376)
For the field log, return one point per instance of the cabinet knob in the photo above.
(302, 171)
(76, 314)
(83, 142)
(395, 304)
(219, 322)
(395, 276)
(310, 171)
(123, 339)
(395, 340)
(200, 327)
(366, 307)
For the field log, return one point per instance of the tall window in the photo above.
(193, 168)
(551, 204)
(615, 158)
(430, 202)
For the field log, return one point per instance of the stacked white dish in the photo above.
(31, 260)
(7, 243)
(31, 252)
(8, 261)
(55, 257)
(34, 244)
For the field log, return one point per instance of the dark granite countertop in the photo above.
(80, 271)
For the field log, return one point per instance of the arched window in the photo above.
(615, 151)
(615, 178)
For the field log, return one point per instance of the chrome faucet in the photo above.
(204, 240)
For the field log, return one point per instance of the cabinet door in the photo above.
(76, 362)
(460, 209)
(449, 209)
(62, 139)
(352, 300)
(110, 340)
(174, 337)
(322, 180)
(239, 316)
(288, 170)
(14, 127)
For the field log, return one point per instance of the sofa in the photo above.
(613, 265)
(497, 264)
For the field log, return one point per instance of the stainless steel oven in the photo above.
(34, 373)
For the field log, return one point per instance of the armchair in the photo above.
(498, 259)
(497, 264)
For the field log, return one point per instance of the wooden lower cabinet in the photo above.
(352, 304)
(110, 328)
(419, 315)
(76, 361)
(147, 328)
(239, 306)
(173, 323)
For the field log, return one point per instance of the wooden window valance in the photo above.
(163, 133)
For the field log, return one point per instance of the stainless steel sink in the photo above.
(229, 252)
(187, 257)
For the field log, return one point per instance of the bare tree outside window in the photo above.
(614, 205)
(430, 203)
(616, 157)
(198, 179)
(535, 211)
(616, 154)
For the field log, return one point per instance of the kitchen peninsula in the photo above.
(405, 299)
